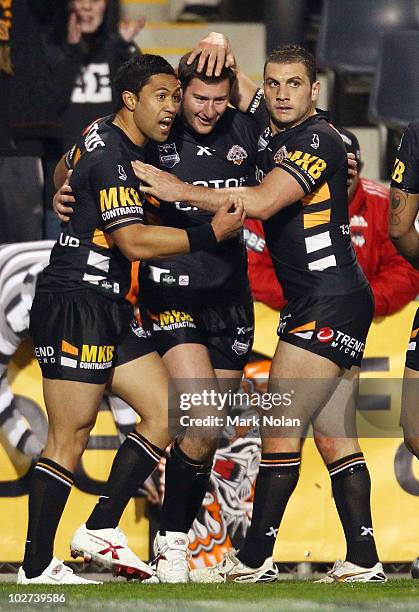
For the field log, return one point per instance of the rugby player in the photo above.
(82, 312)
(302, 199)
(404, 208)
(197, 307)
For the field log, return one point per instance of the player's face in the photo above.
(289, 95)
(204, 104)
(89, 14)
(158, 103)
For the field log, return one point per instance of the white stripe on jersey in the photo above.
(318, 242)
(322, 264)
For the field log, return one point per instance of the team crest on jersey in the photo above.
(280, 155)
(168, 155)
(237, 155)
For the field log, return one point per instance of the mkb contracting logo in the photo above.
(89, 357)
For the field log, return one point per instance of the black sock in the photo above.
(351, 486)
(186, 483)
(277, 479)
(49, 489)
(134, 462)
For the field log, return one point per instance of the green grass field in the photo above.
(289, 595)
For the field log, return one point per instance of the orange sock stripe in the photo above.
(47, 467)
(146, 444)
(346, 463)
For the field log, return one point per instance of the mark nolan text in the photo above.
(265, 420)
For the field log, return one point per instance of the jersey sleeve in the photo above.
(405, 174)
(113, 185)
(311, 158)
(72, 157)
(248, 133)
(74, 154)
(257, 109)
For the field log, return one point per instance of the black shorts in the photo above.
(412, 353)
(227, 331)
(334, 327)
(81, 336)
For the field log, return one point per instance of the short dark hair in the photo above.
(136, 72)
(187, 72)
(288, 54)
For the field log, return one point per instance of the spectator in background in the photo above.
(90, 43)
(28, 117)
(394, 282)
(56, 61)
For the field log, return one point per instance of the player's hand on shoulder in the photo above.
(63, 199)
(158, 183)
(229, 219)
(215, 48)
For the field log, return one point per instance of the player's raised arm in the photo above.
(215, 52)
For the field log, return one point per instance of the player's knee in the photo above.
(412, 445)
(81, 439)
(328, 448)
(200, 449)
(281, 445)
(71, 440)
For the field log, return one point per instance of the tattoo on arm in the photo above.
(398, 204)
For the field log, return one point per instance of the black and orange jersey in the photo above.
(107, 198)
(309, 241)
(223, 158)
(406, 166)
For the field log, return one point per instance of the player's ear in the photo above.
(130, 100)
(315, 90)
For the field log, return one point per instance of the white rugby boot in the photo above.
(55, 573)
(345, 571)
(171, 557)
(109, 548)
(230, 569)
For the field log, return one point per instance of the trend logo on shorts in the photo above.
(305, 331)
(325, 334)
